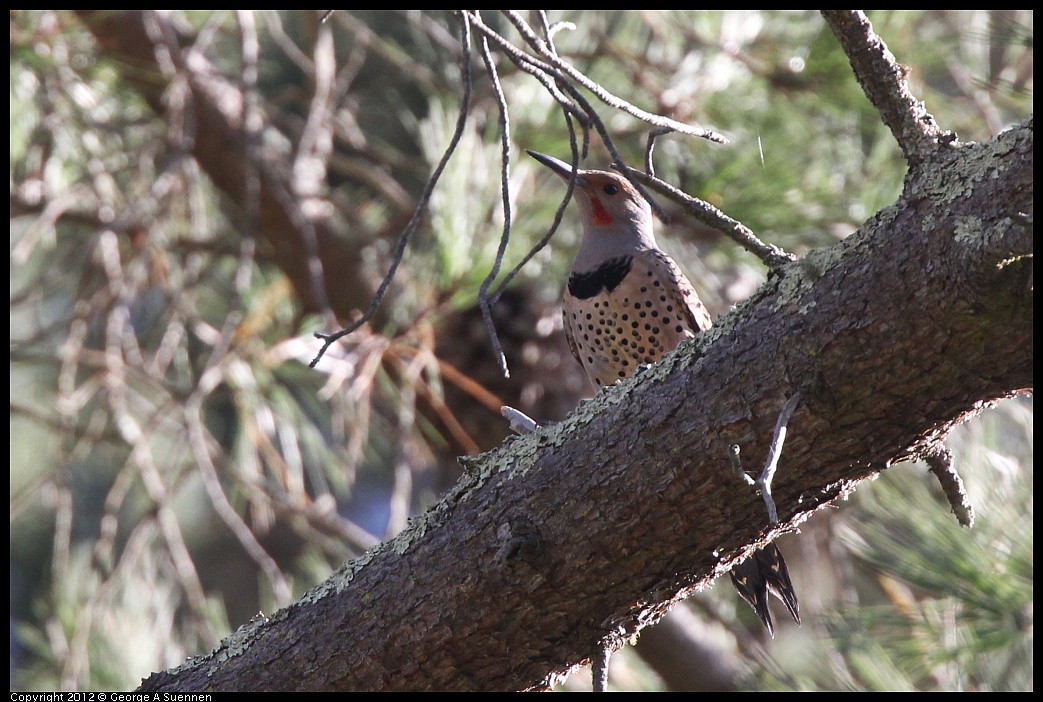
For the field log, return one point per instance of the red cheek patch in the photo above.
(601, 216)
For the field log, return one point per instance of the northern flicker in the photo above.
(627, 304)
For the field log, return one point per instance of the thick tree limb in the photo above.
(897, 334)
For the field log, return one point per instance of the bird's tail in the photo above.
(763, 572)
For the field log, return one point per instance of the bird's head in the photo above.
(616, 218)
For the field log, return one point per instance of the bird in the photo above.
(627, 304)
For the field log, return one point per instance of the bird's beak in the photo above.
(557, 165)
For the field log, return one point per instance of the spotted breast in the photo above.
(628, 311)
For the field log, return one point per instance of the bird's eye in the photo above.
(611, 189)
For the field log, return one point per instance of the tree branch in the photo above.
(772, 256)
(606, 97)
(884, 82)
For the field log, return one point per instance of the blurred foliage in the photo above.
(175, 466)
(922, 603)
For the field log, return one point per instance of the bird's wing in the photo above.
(569, 336)
(686, 298)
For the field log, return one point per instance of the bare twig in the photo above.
(273, 22)
(772, 256)
(311, 160)
(578, 105)
(599, 667)
(209, 379)
(505, 142)
(649, 166)
(518, 421)
(608, 98)
(569, 109)
(940, 461)
(736, 462)
(403, 237)
(774, 452)
(549, 30)
(617, 162)
(542, 71)
(402, 485)
(557, 215)
(884, 83)
(306, 227)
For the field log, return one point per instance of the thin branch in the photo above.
(736, 463)
(557, 215)
(617, 160)
(518, 421)
(215, 490)
(608, 98)
(403, 238)
(649, 166)
(940, 461)
(884, 83)
(273, 22)
(549, 30)
(585, 110)
(402, 474)
(772, 256)
(599, 667)
(305, 226)
(569, 109)
(315, 144)
(774, 453)
(543, 72)
(505, 142)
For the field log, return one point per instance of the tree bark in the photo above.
(592, 528)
